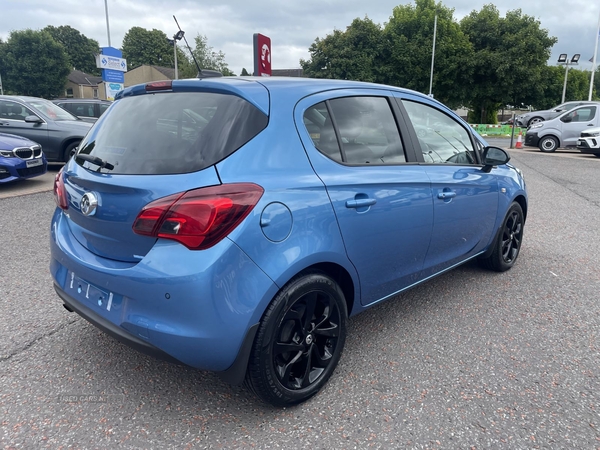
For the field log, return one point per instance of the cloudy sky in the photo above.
(292, 25)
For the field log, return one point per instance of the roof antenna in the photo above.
(201, 73)
(188, 45)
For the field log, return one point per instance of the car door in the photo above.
(381, 198)
(12, 120)
(465, 198)
(575, 121)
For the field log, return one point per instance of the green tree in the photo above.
(509, 58)
(596, 91)
(33, 63)
(244, 72)
(208, 58)
(578, 84)
(186, 68)
(408, 44)
(141, 46)
(354, 54)
(80, 49)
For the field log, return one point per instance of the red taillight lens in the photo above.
(200, 218)
(60, 192)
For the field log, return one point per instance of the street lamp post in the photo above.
(177, 37)
(563, 59)
(432, 56)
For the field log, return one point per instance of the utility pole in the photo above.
(432, 56)
(107, 27)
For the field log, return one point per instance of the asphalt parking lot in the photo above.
(472, 359)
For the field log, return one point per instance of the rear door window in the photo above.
(170, 133)
(366, 130)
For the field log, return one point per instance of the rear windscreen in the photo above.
(170, 133)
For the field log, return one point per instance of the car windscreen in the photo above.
(50, 110)
(171, 133)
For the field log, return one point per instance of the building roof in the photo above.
(286, 72)
(82, 78)
(168, 72)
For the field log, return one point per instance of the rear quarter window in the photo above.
(171, 133)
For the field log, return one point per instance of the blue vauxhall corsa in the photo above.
(234, 224)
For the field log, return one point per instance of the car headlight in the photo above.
(536, 125)
(7, 153)
(595, 134)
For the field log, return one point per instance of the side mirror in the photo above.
(494, 156)
(33, 119)
(567, 119)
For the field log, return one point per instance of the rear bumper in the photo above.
(531, 139)
(195, 308)
(520, 123)
(110, 328)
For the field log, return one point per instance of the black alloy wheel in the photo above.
(299, 341)
(512, 234)
(508, 243)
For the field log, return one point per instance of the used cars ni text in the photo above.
(56, 130)
(20, 158)
(238, 223)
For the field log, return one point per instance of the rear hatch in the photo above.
(157, 140)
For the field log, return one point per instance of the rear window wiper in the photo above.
(95, 160)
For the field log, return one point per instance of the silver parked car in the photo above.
(56, 130)
(528, 119)
(87, 109)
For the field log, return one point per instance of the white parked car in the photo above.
(564, 130)
(589, 142)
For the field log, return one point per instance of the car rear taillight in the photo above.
(200, 218)
(60, 192)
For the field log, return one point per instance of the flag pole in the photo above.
(594, 61)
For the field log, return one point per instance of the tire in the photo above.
(70, 151)
(508, 243)
(548, 144)
(535, 120)
(299, 341)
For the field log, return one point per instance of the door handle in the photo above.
(446, 195)
(360, 203)
(590, 124)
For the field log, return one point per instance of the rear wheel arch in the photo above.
(341, 276)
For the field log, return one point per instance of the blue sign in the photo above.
(111, 51)
(113, 76)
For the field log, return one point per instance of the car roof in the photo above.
(294, 88)
(94, 100)
(23, 98)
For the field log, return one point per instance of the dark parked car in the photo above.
(87, 109)
(237, 223)
(533, 117)
(20, 158)
(56, 130)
